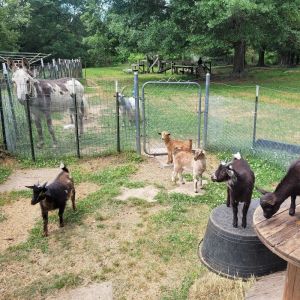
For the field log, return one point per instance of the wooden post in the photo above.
(292, 283)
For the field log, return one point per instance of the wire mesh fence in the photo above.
(99, 124)
(170, 106)
(269, 129)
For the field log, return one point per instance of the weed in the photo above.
(2, 217)
(9, 197)
(45, 285)
(4, 173)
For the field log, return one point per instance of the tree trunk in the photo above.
(261, 58)
(239, 57)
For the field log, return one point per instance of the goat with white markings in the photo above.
(194, 161)
(240, 183)
(127, 107)
(54, 196)
(289, 186)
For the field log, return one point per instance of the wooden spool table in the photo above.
(281, 234)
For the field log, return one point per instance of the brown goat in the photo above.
(172, 144)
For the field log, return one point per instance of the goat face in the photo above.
(39, 192)
(269, 205)
(199, 154)
(222, 173)
(164, 135)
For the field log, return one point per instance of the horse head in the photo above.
(21, 78)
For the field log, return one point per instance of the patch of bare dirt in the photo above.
(21, 216)
(19, 219)
(20, 178)
(152, 171)
(85, 188)
(148, 193)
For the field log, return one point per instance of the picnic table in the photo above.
(281, 234)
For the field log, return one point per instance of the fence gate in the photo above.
(170, 106)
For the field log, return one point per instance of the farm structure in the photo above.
(157, 65)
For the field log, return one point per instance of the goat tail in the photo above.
(64, 167)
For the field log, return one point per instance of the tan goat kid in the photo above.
(172, 144)
(194, 161)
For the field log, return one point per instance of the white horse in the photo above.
(47, 96)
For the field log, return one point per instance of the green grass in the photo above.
(10, 197)
(4, 173)
(47, 284)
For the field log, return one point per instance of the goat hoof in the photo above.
(291, 212)
(235, 225)
(61, 225)
(45, 234)
(196, 192)
(244, 225)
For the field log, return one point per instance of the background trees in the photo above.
(107, 31)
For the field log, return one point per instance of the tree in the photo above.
(230, 23)
(13, 14)
(54, 27)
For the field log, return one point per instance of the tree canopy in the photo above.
(107, 31)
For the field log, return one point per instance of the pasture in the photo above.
(147, 250)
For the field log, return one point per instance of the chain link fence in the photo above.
(266, 125)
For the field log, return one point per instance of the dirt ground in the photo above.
(21, 216)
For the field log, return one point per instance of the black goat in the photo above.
(240, 183)
(54, 196)
(289, 186)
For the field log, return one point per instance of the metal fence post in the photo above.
(30, 127)
(118, 118)
(207, 83)
(5, 73)
(199, 119)
(76, 119)
(255, 117)
(2, 121)
(137, 113)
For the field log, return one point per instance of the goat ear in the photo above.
(29, 186)
(159, 133)
(44, 185)
(230, 172)
(262, 191)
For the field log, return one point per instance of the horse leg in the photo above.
(50, 128)
(38, 125)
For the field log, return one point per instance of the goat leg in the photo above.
(170, 158)
(181, 177)
(293, 205)
(235, 212)
(245, 210)
(195, 183)
(228, 197)
(174, 176)
(45, 219)
(60, 214)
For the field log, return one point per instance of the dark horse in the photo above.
(47, 96)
